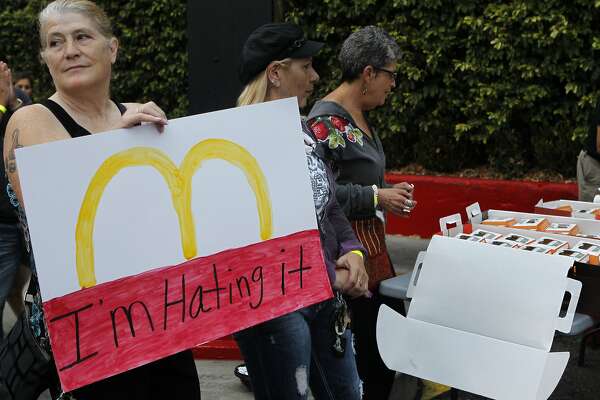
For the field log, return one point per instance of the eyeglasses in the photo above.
(393, 75)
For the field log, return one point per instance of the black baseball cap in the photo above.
(272, 42)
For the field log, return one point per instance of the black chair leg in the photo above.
(584, 340)
(581, 359)
(453, 394)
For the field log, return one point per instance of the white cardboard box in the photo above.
(485, 234)
(473, 210)
(536, 249)
(550, 207)
(518, 239)
(470, 238)
(586, 226)
(591, 248)
(482, 319)
(551, 243)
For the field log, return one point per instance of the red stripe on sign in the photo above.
(117, 326)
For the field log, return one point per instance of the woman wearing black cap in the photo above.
(310, 347)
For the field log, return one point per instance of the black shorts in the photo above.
(174, 377)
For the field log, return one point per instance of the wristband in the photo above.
(359, 253)
(375, 195)
(18, 105)
(2, 109)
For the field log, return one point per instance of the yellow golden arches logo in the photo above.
(179, 181)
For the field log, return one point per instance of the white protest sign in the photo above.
(136, 220)
(147, 244)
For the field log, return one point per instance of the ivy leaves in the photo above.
(472, 73)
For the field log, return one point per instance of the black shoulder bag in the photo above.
(24, 364)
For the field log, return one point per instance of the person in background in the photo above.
(588, 162)
(10, 98)
(12, 252)
(368, 60)
(24, 82)
(311, 347)
(79, 49)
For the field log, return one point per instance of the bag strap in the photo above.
(33, 288)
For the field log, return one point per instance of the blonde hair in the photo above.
(256, 91)
(84, 7)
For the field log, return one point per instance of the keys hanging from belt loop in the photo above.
(340, 321)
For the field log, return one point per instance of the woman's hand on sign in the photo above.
(397, 199)
(144, 113)
(350, 275)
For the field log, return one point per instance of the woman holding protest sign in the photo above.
(310, 347)
(368, 60)
(79, 49)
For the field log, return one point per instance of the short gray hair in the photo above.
(370, 45)
(86, 8)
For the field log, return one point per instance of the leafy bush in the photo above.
(507, 83)
(515, 79)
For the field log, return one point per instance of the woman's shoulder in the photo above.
(336, 130)
(33, 113)
(327, 107)
(36, 124)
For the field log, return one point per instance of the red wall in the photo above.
(440, 196)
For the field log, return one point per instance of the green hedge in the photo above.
(512, 82)
(152, 61)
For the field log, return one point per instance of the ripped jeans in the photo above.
(288, 354)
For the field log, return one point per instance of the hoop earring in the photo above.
(364, 90)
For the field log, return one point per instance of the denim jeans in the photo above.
(11, 257)
(376, 377)
(288, 354)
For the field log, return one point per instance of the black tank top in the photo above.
(72, 127)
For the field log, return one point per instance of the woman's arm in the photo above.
(351, 276)
(355, 199)
(18, 134)
(28, 126)
(347, 240)
(6, 88)
(8, 97)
